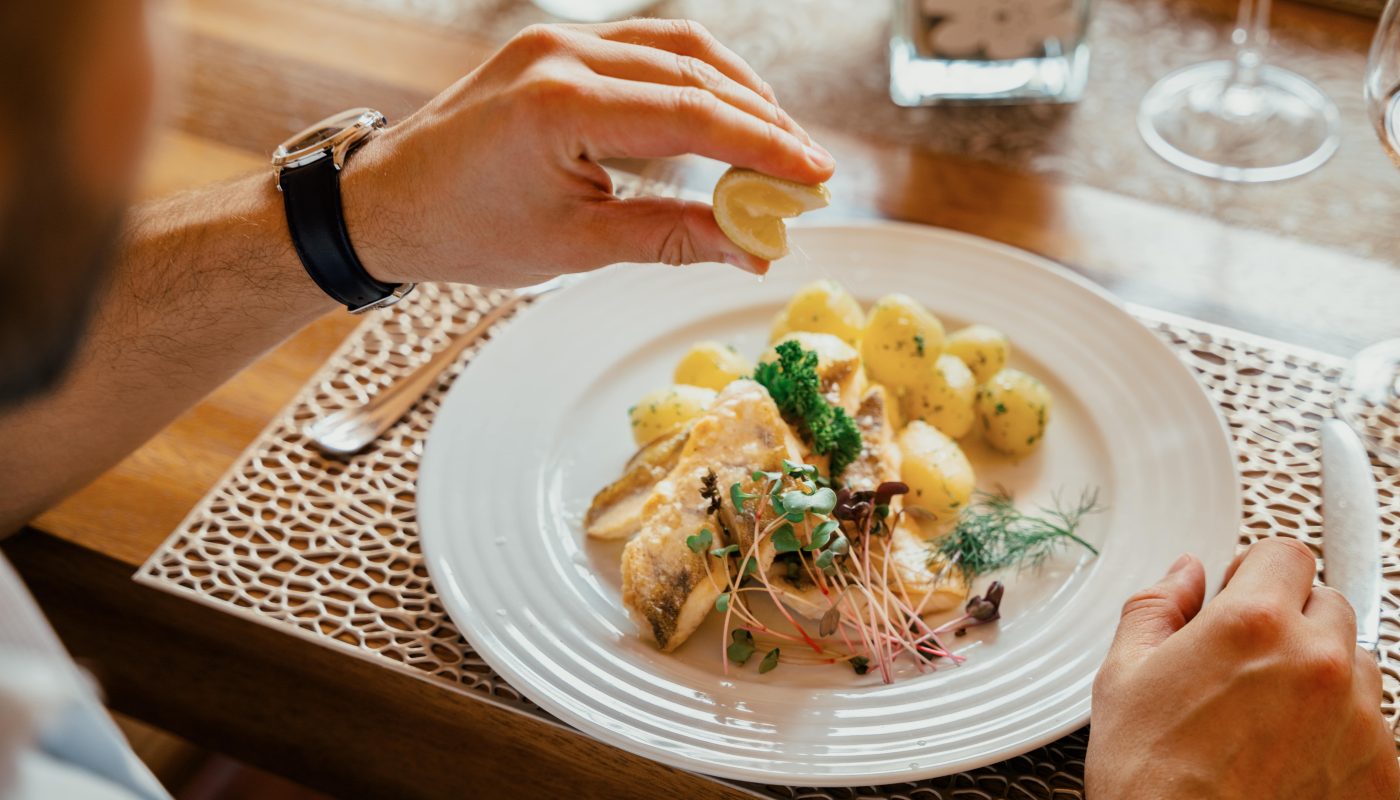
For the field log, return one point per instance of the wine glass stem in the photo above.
(1251, 38)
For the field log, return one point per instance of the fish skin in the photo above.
(666, 587)
(616, 511)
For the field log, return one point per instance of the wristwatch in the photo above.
(306, 168)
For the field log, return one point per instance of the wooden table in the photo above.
(248, 72)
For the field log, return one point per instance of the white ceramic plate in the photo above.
(538, 423)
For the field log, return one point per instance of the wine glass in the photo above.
(1241, 119)
(1369, 399)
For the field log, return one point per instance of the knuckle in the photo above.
(1154, 603)
(775, 137)
(692, 101)
(538, 40)
(548, 89)
(677, 244)
(692, 31)
(1329, 669)
(695, 72)
(1330, 596)
(1256, 624)
(1289, 548)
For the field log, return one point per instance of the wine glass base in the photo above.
(1369, 399)
(1281, 126)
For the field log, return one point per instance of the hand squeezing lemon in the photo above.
(750, 208)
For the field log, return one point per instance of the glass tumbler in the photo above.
(989, 51)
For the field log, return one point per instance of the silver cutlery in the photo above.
(1351, 528)
(351, 430)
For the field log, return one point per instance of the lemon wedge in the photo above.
(750, 208)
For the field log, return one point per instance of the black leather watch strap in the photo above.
(311, 194)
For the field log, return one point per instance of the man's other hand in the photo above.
(1261, 694)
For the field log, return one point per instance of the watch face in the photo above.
(317, 140)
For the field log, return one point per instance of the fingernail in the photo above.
(818, 155)
(1180, 563)
(746, 262)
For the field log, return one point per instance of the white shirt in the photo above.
(56, 741)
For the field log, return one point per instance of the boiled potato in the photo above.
(982, 348)
(1012, 410)
(838, 366)
(821, 307)
(901, 340)
(666, 410)
(831, 350)
(942, 395)
(938, 473)
(711, 365)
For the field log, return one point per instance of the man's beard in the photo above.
(55, 251)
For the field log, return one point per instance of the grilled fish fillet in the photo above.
(879, 458)
(666, 586)
(616, 512)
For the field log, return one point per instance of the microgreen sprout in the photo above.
(741, 648)
(980, 610)
(822, 534)
(830, 546)
(769, 661)
(822, 501)
(785, 540)
(738, 496)
(700, 541)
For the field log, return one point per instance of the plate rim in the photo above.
(448, 591)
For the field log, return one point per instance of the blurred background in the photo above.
(828, 61)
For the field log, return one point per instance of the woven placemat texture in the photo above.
(328, 549)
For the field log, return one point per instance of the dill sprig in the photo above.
(992, 533)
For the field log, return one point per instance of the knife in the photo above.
(1351, 527)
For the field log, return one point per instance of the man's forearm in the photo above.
(496, 182)
(206, 281)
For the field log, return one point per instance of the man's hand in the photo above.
(1263, 694)
(497, 182)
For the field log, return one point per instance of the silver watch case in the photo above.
(333, 137)
(400, 292)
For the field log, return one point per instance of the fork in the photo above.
(351, 430)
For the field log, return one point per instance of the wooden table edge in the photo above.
(227, 682)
